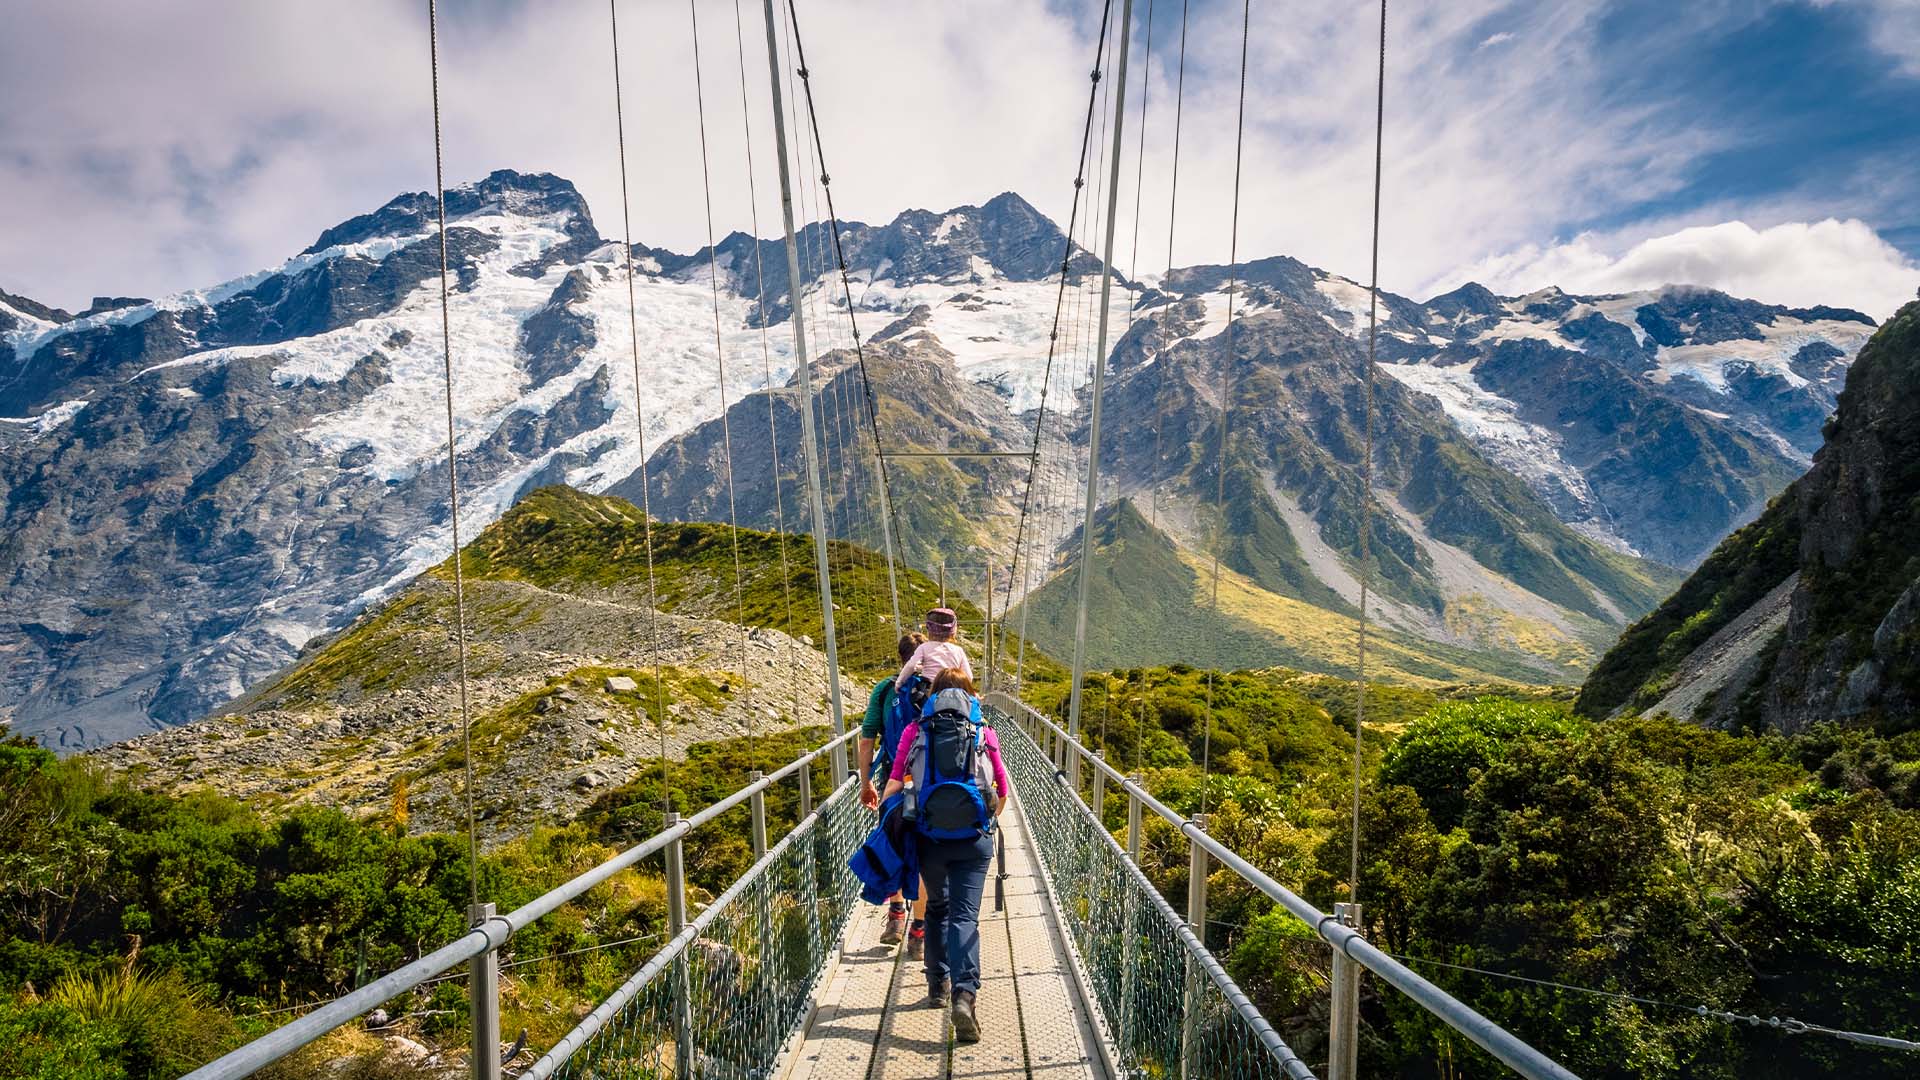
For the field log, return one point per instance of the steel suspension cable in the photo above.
(1787, 1024)
(889, 522)
(811, 259)
(1226, 398)
(1366, 464)
(640, 419)
(453, 461)
(809, 447)
(832, 403)
(1053, 345)
(1140, 168)
(720, 367)
(766, 350)
(1084, 576)
(1173, 208)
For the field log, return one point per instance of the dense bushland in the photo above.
(1752, 874)
(141, 934)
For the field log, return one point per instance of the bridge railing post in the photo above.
(759, 804)
(1130, 941)
(805, 777)
(1343, 1028)
(1097, 893)
(1133, 818)
(676, 922)
(483, 1001)
(1197, 920)
(1100, 789)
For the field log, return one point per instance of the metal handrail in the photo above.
(604, 1013)
(484, 938)
(1196, 949)
(1489, 1036)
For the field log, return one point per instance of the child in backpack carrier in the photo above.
(938, 653)
(949, 762)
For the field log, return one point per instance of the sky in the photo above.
(1765, 147)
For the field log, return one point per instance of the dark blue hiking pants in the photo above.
(955, 873)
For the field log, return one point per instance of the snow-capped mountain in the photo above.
(1655, 421)
(192, 488)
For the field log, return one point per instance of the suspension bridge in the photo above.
(1087, 970)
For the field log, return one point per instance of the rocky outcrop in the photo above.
(373, 714)
(1821, 593)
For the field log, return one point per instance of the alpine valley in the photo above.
(194, 490)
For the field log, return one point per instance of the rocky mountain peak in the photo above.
(23, 306)
(527, 195)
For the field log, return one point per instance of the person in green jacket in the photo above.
(870, 764)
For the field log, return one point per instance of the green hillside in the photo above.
(1150, 602)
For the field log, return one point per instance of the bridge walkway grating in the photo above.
(871, 1021)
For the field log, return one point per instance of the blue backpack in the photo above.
(903, 709)
(952, 777)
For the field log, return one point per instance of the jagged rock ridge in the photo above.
(1812, 612)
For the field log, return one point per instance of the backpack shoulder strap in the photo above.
(917, 757)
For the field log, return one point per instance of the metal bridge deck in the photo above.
(871, 1021)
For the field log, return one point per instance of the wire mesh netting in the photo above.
(722, 999)
(1170, 1009)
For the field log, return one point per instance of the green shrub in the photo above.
(123, 1023)
(1440, 753)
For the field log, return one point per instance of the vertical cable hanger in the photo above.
(1173, 207)
(820, 304)
(1140, 169)
(1083, 577)
(889, 521)
(1366, 465)
(809, 447)
(1053, 349)
(640, 421)
(720, 365)
(1226, 396)
(766, 351)
(453, 460)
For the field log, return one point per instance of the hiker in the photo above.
(959, 787)
(938, 653)
(882, 727)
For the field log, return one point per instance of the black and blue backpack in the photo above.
(952, 777)
(902, 709)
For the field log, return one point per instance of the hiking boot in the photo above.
(896, 927)
(917, 943)
(965, 1027)
(938, 992)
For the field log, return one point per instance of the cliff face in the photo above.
(1813, 611)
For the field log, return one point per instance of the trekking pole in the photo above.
(1000, 880)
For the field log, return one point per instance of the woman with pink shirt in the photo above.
(938, 653)
(953, 872)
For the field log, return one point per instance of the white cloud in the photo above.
(1500, 38)
(154, 147)
(1894, 29)
(180, 142)
(1794, 263)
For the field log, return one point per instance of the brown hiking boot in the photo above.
(917, 943)
(966, 1027)
(937, 993)
(896, 928)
